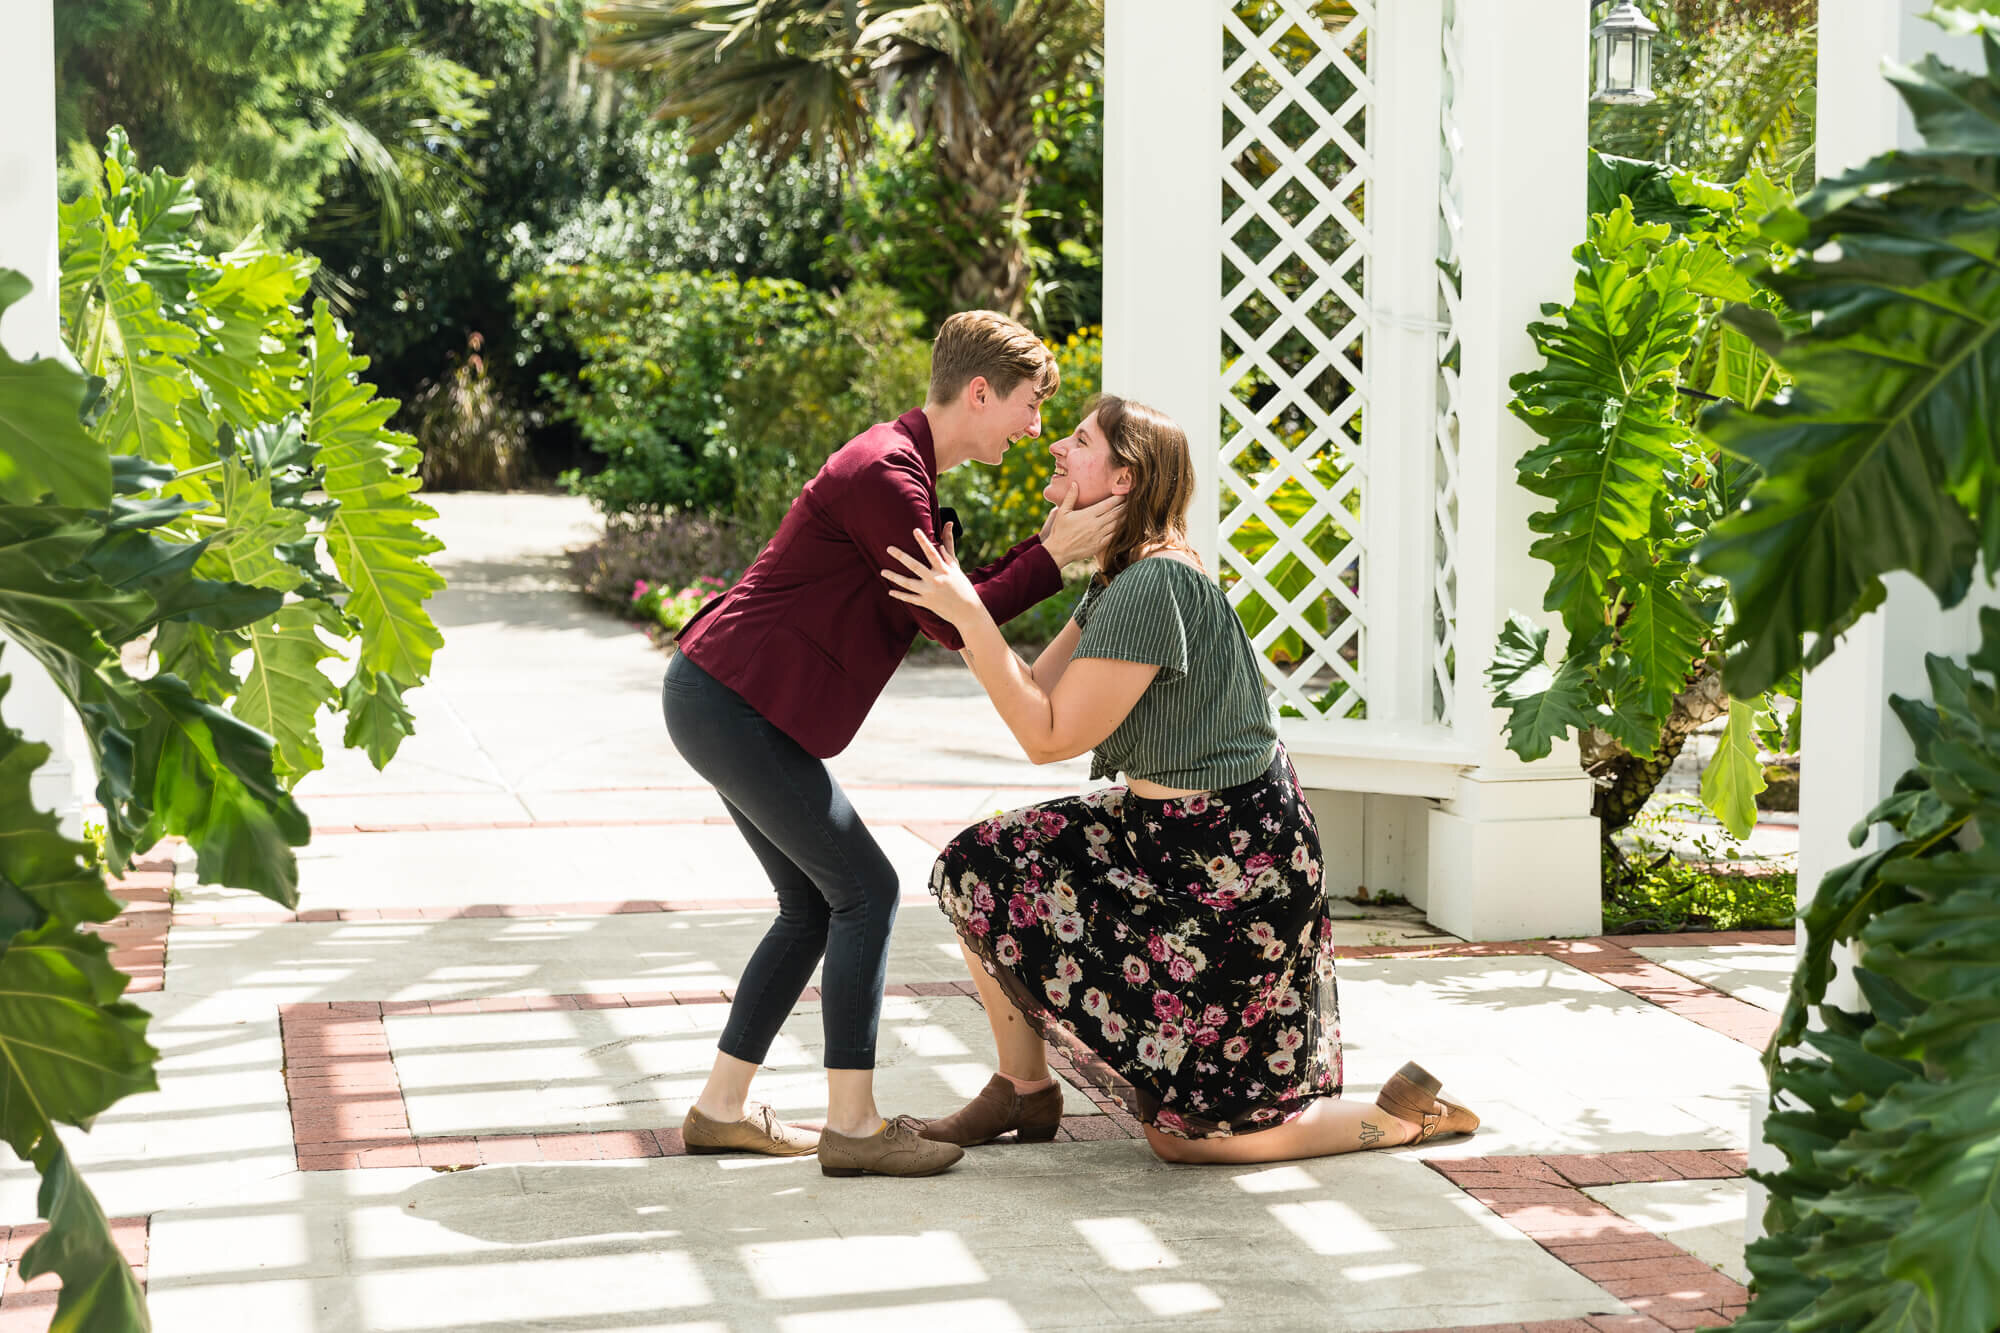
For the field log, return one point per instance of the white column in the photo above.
(1514, 852)
(28, 243)
(1854, 749)
(1163, 224)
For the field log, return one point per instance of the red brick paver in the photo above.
(138, 935)
(1543, 1197)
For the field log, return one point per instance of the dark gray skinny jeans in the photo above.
(836, 890)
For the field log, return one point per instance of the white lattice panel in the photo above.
(1296, 98)
(1451, 225)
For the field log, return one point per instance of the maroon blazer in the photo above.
(809, 636)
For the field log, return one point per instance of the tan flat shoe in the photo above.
(759, 1131)
(1034, 1117)
(900, 1149)
(1411, 1095)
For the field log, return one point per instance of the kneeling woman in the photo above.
(1174, 927)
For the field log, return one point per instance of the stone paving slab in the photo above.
(521, 865)
(1555, 1060)
(248, 969)
(1759, 974)
(642, 1068)
(1704, 1217)
(1109, 1237)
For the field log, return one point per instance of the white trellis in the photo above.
(1329, 223)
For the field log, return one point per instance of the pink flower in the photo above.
(1235, 1048)
(1007, 950)
(978, 924)
(1167, 1005)
(1156, 947)
(982, 897)
(1057, 992)
(1258, 864)
(1168, 1122)
(1180, 969)
(1253, 1015)
(638, 589)
(1136, 970)
(1214, 1016)
(1204, 1036)
(1115, 1028)
(1020, 911)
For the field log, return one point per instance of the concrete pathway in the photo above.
(444, 1094)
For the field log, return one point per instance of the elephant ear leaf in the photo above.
(82, 1248)
(1545, 704)
(1734, 776)
(44, 449)
(374, 536)
(1604, 405)
(1882, 455)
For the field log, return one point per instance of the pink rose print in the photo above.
(1214, 1016)
(1166, 1005)
(1235, 1048)
(1180, 969)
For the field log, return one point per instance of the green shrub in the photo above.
(674, 550)
(471, 437)
(1648, 889)
(669, 608)
(717, 395)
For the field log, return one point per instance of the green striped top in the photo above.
(1205, 722)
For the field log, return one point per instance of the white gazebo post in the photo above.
(29, 329)
(1162, 202)
(1328, 228)
(1514, 851)
(1854, 748)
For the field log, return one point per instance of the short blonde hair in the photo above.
(975, 343)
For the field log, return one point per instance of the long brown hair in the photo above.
(1155, 449)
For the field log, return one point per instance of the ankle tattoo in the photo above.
(1371, 1134)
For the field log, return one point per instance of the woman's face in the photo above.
(1084, 462)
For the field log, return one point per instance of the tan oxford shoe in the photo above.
(759, 1131)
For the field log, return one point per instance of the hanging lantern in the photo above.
(1624, 42)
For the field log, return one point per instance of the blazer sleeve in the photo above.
(890, 498)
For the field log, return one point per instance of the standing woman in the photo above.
(776, 676)
(1175, 926)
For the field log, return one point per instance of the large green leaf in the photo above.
(1604, 403)
(42, 873)
(99, 1290)
(1882, 456)
(43, 448)
(1546, 703)
(69, 1047)
(1734, 775)
(284, 688)
(1891, 1192)
(209, 777)
(1663, 637)
(378, 721)
(246, 551)
(374, 537)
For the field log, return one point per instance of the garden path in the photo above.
(442, 1096)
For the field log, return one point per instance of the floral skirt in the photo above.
(1184, 945)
